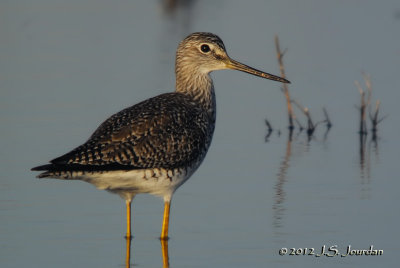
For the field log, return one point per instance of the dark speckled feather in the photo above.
(154, 146)
(167, 131)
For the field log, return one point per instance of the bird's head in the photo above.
(205, 52)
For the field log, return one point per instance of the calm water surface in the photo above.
(66, 66)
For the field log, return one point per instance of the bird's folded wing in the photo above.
(166, 131)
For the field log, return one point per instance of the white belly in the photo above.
(128, 183)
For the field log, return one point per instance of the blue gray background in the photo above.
(65, 66)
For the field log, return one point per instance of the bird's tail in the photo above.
(49, 169)
(65, 171)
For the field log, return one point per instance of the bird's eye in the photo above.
(205, 48)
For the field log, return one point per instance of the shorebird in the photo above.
(156, 145)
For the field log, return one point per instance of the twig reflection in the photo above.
(365, 166)
(278, 207)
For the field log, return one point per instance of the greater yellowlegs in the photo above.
(156, 145)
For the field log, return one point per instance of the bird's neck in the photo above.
(199, 86)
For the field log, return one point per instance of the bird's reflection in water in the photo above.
(128, 252)
(123, 193)
(164, 253)
(125, 188)
(164, 250)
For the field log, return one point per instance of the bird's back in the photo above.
(167, 131)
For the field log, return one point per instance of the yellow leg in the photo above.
(164, 230)
(128, 253)
(164, 251)
(128, 219)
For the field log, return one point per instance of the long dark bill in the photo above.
(235, 65)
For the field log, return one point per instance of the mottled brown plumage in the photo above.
(167, 131)
(156, 145)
